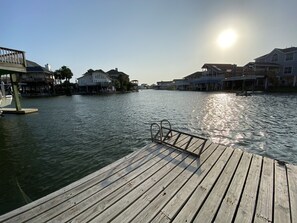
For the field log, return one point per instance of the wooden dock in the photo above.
(160, 183)
(23, 111)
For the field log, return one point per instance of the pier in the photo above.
(177, 178)
(13, 62)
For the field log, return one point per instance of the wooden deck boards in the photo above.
(160, 183)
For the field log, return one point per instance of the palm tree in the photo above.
(66, 73)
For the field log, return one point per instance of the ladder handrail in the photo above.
(165, 120)
(159, 132)
(159, 137)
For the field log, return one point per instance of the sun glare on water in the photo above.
(227, 38)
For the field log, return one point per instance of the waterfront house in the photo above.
(181, 84)
(193, 80)
(213, 75)
(263, 73)
(243, 78)
(279, 66)
(93, 82)
(38, 81)
(115, 74)
(134, 85)
(120, 79)
(165, 85)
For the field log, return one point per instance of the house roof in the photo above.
(164, 82)
(288, 50)
(115, 73)
(90, 71)
(101, 71)
(34, 67)
(263, 64)
(194, 75)
(219, 67)
(285, 50)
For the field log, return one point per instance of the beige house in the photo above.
(95, 82)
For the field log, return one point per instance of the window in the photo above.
(289, 56)
(274, 57)
(288, 70)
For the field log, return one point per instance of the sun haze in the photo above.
(149, 40)
(227, 38)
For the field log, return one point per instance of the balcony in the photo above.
(208, 79)
(12, 61)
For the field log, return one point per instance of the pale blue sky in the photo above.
(150, 40)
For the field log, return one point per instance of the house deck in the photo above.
(160, 183)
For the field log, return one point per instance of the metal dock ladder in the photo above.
(177, 139)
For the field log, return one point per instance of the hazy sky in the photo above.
(150, 40)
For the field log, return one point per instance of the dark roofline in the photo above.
(262, 64)
(197, 73)
(284, 50)
(288, 50)
(218, 64)
(33, 67)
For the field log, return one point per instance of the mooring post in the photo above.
(15, 91)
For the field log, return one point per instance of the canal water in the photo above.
(71, 137)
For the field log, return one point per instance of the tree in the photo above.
(124, 82)
(66, 73)
(116, 84)
(63, 73)
(57, 75)
(89, 71)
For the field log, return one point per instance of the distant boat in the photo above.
(243, 93)
(5, 99)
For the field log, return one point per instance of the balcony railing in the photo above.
(12, 60)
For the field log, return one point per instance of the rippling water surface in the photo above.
(71, 137)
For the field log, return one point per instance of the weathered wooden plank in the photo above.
(161, 217)
(100, 201)
(186, 142)
(201, 149)
(292, 180)
(189, 210)
(178, 140)
(247, 203)
(159, 189)
(33, 208)
(212, 202)
(152, 209)
(172, 138)
(179, 164)
(231, 200)
(171, 209)
(196, 145)
(122, 175)
(264, 206)
(183, 139)
(281, 194)
(189, 141)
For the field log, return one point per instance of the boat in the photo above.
(243, 93)
(5, 99)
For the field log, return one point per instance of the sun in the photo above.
(227, 38)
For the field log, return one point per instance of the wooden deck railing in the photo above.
(11, 56)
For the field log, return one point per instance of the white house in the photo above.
(286, 59)
(95, 82)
